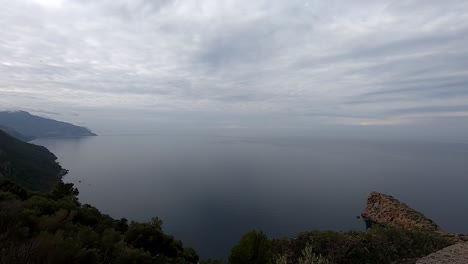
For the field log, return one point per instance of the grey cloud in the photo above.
(419, 88)
(432, 109)
(321, 60)
(230, 47)
(426, 41)
(42, 111)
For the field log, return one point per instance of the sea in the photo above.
(209, 190)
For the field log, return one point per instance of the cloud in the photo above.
(319, 60)
(374, 122)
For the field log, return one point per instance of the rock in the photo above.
(456, 254)
(463, 237)
(385, 210)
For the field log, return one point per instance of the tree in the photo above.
(63, 190)
(150, 237)
(253, 248)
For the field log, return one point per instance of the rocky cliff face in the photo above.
(385, 210)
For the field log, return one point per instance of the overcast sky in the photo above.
(239, 64)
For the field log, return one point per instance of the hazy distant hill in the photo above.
(10, 131)
(29, 165)
(27, 126)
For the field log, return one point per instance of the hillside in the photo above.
(10, 131)
(31, 126)
(29, 165)
(56, 228)
(52, 226)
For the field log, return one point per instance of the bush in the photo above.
(377, 245)
(308, 257)
(55, 228)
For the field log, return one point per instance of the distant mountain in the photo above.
(29, 165)
(23, 125)
(10, 131)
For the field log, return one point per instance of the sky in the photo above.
(363, 67)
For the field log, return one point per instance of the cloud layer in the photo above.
(382, 63)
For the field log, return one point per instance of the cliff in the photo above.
(385, 210)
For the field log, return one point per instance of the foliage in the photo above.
(253, 248)
(55, 228)
(212, 261)
(309, 257)
(29, 165)
(281, 259)
(377, 245)
(16, 134)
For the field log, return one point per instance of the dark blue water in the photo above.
(211, 190)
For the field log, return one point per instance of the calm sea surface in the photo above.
(210, 190)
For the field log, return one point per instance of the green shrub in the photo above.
(212, 261)
(253, 248)
(377, 245)
(309, 257)
(55, 228)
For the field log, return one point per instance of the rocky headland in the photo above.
(385, 210)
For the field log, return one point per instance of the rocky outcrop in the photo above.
(385, 210)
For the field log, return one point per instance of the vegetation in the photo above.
(253, 248)
(31, 166)
(212, 261)
(308, 257)
(16, 134)
(377, 245)
(55, 228)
